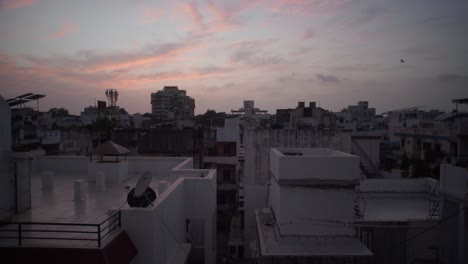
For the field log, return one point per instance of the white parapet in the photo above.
(47, 180)
(313, 164)
(162, 186)
(312, 188)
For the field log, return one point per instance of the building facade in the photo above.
(172, 104)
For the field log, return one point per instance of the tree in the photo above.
(106, 125)
(58, 112)
(210, 118)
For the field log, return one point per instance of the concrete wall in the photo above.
(397, 185)
(256, 173)
(61, 164)
(6, 195)
(306, 210)
(321, 164)
(309, 209)
(159, 232)
(259, 141)
(158, 166)
(230, 131)
(454, 181)
(255, 197)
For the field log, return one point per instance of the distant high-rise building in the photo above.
(172, 104)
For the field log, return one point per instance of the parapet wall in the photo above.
(420, 185)
(79, 164)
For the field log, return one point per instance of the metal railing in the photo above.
(434, 201)
(69, 231)
(365, 160)
(358, 210)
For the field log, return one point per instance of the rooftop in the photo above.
(274, 244)
(398, 200)
(57, 205)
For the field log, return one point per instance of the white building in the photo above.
(249, 111)
(403, 118)
(311, 191)
(255, 171)
(357, 117)
(55, 213)
(317, 207)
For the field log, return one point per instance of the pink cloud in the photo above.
(224, 18)
(92, 62)
(212, 17)
(148, 55)
(304, 7)
(65, 29)
(191, 9)
(89, 69)
(151, 15)
(309, 34)
(12, 4)
(178, 75)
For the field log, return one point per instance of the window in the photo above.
(229, 149)
(226, 175)
(212, 152)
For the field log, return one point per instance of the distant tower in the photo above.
(112, 97)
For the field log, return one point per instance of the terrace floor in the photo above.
(57, 205)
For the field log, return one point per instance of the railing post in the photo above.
(19, 234)
(99, 235)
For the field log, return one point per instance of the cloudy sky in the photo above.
(276, 52)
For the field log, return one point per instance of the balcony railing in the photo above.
(22, 231)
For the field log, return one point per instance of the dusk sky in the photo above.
(277, 53)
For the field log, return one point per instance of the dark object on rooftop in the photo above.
(402, 60)
(143, 200)
(24, 98)
(460, 101)
(142, 195)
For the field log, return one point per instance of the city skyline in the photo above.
(274, 52)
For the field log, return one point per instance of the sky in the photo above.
(276, 52)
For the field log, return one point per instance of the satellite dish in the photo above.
(142, 195)
(143, 183)
(141, 201)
